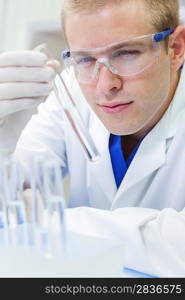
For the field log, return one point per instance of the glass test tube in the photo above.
(76, 121)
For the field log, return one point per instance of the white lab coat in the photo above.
(147, 212)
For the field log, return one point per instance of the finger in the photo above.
(24, 90)
(42, 48)
(24, 74)
(23, 58)
(8, 107)
(55, 64)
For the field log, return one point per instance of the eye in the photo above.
(85, 60)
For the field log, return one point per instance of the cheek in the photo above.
(152, 87)
(89, 92)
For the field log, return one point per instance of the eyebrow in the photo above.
(129, 44)
(115, 47)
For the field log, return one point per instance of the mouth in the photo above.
(115, 108)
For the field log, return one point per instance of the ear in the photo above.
(177, 48)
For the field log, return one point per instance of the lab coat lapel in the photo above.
(151, 155)
(101, 171)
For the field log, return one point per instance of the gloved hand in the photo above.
(25, 80)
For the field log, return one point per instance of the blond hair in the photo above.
(164, 13)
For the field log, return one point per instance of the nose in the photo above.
(108, 83)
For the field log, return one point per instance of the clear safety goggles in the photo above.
(125, 58)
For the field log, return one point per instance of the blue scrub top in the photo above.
(120, 165)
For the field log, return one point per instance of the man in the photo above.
(132, 78)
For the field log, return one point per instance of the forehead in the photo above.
(108, 25)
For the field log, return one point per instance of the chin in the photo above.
(120, 131)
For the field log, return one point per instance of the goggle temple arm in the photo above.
(160, 36)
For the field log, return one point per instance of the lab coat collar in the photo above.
(150, 156)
